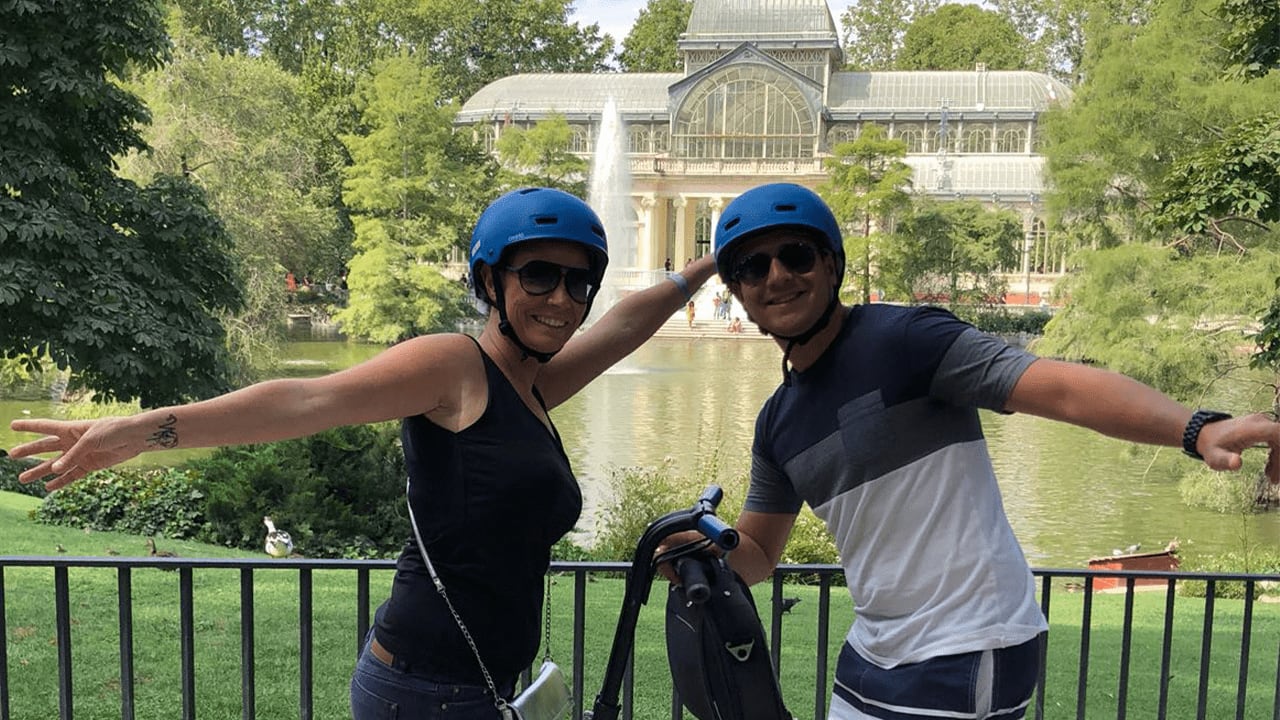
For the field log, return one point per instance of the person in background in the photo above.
(489, 484)
(876, 427)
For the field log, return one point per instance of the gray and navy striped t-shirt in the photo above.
(881, 437)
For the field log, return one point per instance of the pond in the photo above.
(1070, 494)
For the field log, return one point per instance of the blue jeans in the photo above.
(395, 692)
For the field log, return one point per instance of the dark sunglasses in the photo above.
(539, 277)
(798, 257)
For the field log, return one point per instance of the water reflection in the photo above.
(1069, 493)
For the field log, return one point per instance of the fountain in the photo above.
(609, 193)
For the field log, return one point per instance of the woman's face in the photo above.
(546, 285)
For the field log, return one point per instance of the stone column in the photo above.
(645, 233)
(683, 243)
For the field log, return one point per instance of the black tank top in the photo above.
(490, 502)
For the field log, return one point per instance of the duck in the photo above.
(153, 552)
(278, 544)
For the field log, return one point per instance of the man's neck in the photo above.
(804, 356)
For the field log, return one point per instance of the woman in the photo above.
(490, 487)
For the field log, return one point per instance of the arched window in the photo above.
(638, 139)
(661, 140)
(913, 136)
(485, 136)
(702, 228)
(1011, 140)
(842, 133)
(578, 139)
(744, 111)
(976, 140)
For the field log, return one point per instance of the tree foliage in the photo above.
(1252, 39)
(122, 283)
(415, 188)
(1154, 93)
(951, 252)
(1158, 315)
(874, 31)
(475, 43)
(1234, 181)
(540, 156)
(957, 37)
(651, 44)
(867, 188)
(237, 126)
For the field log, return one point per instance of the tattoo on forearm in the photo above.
(167, 435)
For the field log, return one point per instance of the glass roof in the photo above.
(926, 90)
(759, 19)
(647, 93)
(1006, 174)
(571, 93)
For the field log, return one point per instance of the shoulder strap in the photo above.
(498, 701)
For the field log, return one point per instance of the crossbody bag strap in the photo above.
(498, 701)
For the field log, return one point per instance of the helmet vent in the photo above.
(732, 223)
(785, 208)
(546, 220)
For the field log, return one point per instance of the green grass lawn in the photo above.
(30, 635)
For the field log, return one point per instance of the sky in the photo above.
(617, 16)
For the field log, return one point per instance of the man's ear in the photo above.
(735, 289)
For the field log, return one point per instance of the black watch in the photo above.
(1191, 434)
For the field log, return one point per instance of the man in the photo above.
(876, 427)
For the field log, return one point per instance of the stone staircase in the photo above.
(706, 329)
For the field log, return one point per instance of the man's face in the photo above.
(783, 280)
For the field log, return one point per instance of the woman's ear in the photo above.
(485, 280)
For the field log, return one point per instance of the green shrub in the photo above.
(640, 496)
(1006, 322)
(143, 502)
(339, 493)
(1230, 493)
(10, 468)
(1249, 561)
(810, 542)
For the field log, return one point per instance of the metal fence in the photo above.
(1077, 670)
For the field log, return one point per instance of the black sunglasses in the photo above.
(798, 257)
(539, 277)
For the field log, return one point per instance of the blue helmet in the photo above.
(777, 205)
(536, 214)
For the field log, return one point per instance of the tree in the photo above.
(122, 283)
(475, 43)
(1055, 31)
(866, 189)
(874, 29)
(1153, 94)
(651, 44)
(540, 156)
(235, 125)
(414, 190)
(951, 250)
(1234, 181)
(1252, 39)
(1158, 315)
(957, 37)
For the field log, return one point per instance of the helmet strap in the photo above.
(807, 335)
(504, 324)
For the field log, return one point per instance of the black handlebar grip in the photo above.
(693, 578)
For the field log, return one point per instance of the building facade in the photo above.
(762, 99)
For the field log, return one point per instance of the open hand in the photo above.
(82, 446)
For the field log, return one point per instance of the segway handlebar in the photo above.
(700, 517)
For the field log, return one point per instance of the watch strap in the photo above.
(1191, 434)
